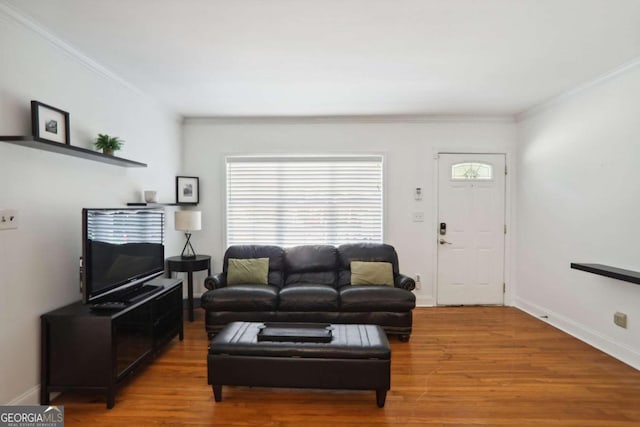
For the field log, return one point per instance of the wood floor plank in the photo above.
(464, 366)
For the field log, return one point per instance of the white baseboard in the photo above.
(29, 397)
(425, 301)
(593, 338)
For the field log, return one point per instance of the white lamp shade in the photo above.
(188, 220)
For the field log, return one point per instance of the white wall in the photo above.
(578, 198)
(408, 145)
(39, 261)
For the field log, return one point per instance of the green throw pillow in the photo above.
(249, 271)
(371, 273)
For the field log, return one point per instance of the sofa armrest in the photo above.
(405, 282)
(216, 281)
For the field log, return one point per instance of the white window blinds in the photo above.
(292, 201)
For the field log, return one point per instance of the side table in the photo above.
(189, 265)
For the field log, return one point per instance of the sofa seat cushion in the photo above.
(241, 298)
(376, 298)
(308, 297)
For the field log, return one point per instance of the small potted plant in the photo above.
(108, 144)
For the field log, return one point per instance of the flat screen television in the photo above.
(121, 249)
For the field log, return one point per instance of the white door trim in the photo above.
(509, 241)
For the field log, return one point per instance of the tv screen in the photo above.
(121, 249)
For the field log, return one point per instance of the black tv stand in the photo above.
(140, 293)
(85, 349)
(127, 296)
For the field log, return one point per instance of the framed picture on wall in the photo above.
(187, 190)
(49, 124)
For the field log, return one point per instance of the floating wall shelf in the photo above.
(608, 271)
(70, 150)
(151, 204)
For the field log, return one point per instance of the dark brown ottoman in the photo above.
(358, 357)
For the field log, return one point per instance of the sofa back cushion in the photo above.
(274, 253)
(311, 264)
(377, 252)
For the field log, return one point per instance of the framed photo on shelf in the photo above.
(187, 190)
(49, 124)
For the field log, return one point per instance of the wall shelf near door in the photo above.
(70, 150)
(151, 204)
(608, 271)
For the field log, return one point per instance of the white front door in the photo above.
(471, 229)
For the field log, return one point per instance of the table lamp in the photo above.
(188, 221)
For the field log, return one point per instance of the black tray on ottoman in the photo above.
(358, 357)
(296, 332)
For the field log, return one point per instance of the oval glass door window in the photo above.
(472, 171)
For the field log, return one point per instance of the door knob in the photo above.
(444, 242)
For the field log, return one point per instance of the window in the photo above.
(471, 171)
(290, 201)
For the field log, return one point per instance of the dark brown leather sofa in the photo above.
(311, 283)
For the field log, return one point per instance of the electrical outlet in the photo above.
(620, 319)
(418, 281)
(8, 219)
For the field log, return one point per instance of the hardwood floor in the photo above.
(493, 366)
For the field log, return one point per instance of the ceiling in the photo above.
(234, 58)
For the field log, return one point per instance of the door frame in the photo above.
(509, 240)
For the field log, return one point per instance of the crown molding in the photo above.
(545, 105)
(399, 118)
(66, 48)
